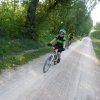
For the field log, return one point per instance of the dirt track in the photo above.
(77, 77)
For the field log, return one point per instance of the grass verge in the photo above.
(12, 47)
(22, 58)
(12, 51)
(96, 45)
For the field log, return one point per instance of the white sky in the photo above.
(41, 0)
(95, 14)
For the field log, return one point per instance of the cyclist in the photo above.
(70, 38)
(59, 43)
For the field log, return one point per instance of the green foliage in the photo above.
(12, 47)
(72, 16)
(96, 39)
(22, 58)
(96, 33)
(97, 27)
(11, 21)
(96, 44)
(56, 14)
(50, 16)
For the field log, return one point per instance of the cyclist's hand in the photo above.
(49, 44)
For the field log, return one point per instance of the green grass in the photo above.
(12, 47)
(96, 44)
(12, 51)
(22, 58)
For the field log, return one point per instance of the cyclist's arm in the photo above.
(53, 41)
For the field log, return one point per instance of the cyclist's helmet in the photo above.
(63, 30)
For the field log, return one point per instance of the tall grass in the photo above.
(96, 43)
(10, 47)
(12, 51)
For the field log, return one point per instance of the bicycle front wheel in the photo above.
(47, 64)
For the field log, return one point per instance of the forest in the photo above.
(31, 24)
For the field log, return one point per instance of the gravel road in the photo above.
(76, 77)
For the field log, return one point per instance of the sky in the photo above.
(95, 14)
(41, 0)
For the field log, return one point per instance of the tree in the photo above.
(30, 20)
(97, 27)
(96, 32)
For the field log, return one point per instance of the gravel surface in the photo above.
(76, 77)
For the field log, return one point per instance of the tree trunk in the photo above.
(29, 29)
(31, 12)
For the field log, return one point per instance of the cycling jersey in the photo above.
(60, 41)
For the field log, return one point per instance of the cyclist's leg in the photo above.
(59, 54)
(59, 57)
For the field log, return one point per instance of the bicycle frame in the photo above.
(51, 59)
(53, 54)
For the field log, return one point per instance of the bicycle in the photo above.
(68, 43)
(51, 60)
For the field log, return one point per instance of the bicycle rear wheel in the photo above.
(47, 64)
(68, 44)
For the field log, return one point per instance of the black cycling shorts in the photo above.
(60, 48)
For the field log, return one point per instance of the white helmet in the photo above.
(63, 30)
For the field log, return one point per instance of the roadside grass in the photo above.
(96, 45)
(12, 47)
(22, 58)
(12, 51)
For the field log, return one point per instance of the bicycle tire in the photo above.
(47, 64)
